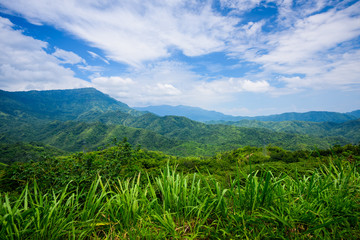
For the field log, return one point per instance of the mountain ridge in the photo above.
(92, 119)
(59, 104)
(202, 115)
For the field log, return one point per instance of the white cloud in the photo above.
(310, 46)
(25, 65)
(175, 83)
(232, 85)
(113, 81)
(317, 47)
(312, 35)
(94, 55)
(240, 5)
(152, 84)
(132, 31)
(68, 57)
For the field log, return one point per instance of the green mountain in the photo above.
(202, 115)
(96, 119)
(78, 136)
(349, 130)
(59, 104)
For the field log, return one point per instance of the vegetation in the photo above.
(25, 152)
(86, 119)
(173, 135)
(79, 165)
(349, 130)
(121, 193)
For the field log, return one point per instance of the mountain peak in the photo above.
(62, 104)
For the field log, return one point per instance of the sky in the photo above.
(244, 57)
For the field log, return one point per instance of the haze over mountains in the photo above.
(199, 114)
(80, 119)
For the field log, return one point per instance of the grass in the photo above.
(259, 205)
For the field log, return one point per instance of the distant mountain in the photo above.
(199, 114)
(350, 129)
(59, 104)
(313, 116)
(193, 113)
(354, 113)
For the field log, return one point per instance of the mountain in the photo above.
(313, 116)
(74, 120)
(171, 134)
(193, 113)
(59, 104)
(350, 129)
(199, 114)
(354, 113)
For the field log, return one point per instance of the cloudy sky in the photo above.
(239, 57)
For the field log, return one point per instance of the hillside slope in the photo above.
(349, 130)
(59, 104)
(97, 119)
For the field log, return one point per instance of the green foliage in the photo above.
(171, 204)
(348, 131)
(25, 152)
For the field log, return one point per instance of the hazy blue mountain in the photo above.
(193, 113)
(354, 113)
(313, 116)
(202, 115)
(59, 104)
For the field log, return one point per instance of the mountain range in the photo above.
(202, 115)
(86, 119)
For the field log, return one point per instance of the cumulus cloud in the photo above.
(25, 65)
(176, 83)
(231, 85)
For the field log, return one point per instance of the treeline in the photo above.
(122, 160)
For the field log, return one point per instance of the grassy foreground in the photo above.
(260, 205)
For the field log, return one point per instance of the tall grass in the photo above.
(258, 205)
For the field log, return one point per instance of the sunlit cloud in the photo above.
(25, 65)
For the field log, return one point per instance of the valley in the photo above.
(92, 167)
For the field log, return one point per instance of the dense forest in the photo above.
(77, 164)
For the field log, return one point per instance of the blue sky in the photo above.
(245, 57)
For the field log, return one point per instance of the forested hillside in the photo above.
(97, 119)
(59, 104)
(349, 130)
